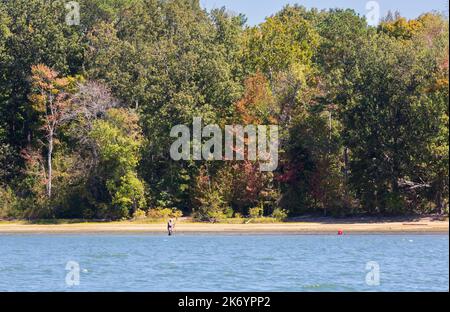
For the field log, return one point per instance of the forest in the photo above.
(86, 111)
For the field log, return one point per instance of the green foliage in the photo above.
(280, 214)
(229, 212)
(118, 140)
(363, 111)
(7, 160)
(8, 202)
(164, 213)
(128, 196)
(256, 212)
(139, 214)
(382, 121)
(283, 42)
(36, 33)
(211, 207)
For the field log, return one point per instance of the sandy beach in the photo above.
(321, 226)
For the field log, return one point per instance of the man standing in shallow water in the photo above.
(170, 227)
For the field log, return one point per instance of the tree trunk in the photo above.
(49, 165)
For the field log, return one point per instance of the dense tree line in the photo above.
(86, 110)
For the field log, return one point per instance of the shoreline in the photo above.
(422, 226)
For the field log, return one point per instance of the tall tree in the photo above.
(382, 120)
(51, 102)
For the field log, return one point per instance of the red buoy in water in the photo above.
(340, 232)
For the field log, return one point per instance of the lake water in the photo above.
(224, 263)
